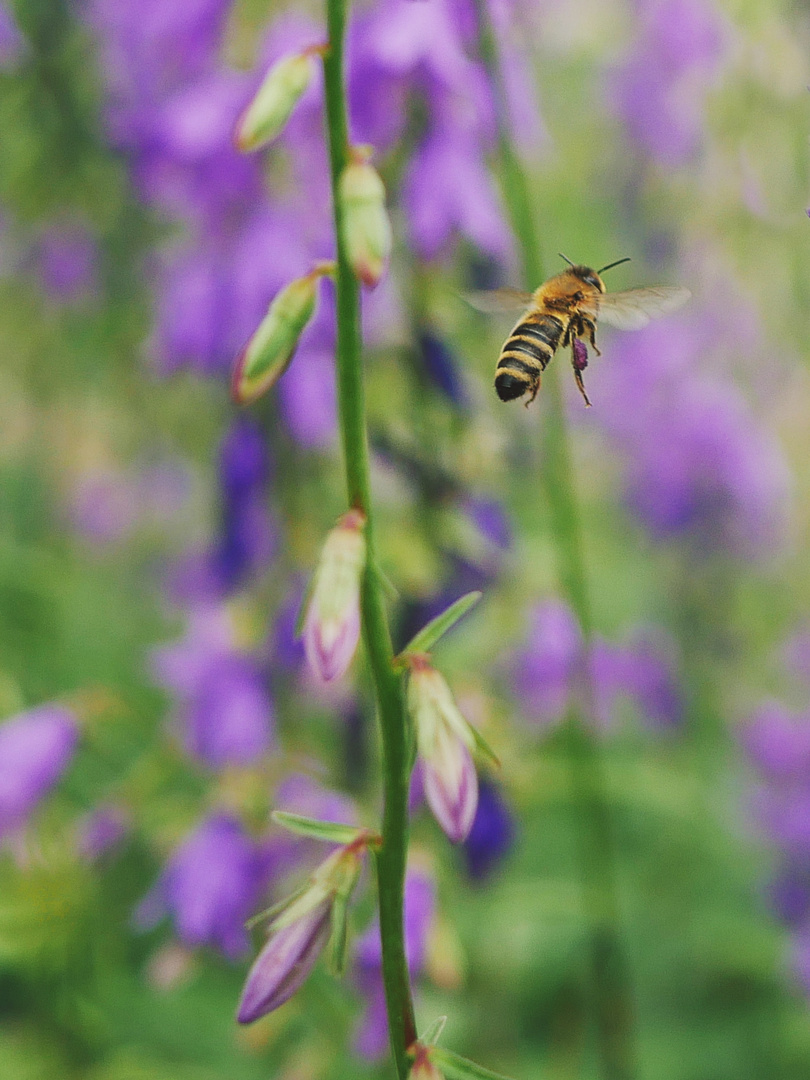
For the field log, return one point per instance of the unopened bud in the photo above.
(270, 109)
(267, 355)
(366, 228)
(444, 740)
(332, 622)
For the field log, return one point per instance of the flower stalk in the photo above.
(610, 991)
(392, 854)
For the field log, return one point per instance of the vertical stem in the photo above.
(391, 858)
(610, 990)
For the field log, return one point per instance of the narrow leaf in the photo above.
(273, 911)
(483, 748)
(458, 1068)
(436, 628)
(389, 588)
(329, 831)
(432, 1034)
(300, 618)
(337, 953)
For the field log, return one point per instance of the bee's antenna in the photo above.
(570, 263)
(611, 265)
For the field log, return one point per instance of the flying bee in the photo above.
(564, 311)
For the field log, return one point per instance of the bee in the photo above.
(562, 312)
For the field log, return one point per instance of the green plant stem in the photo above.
(610, 990)
(392, 856)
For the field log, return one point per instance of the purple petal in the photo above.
(284, 963)
(35, 749)
(330, 660)
(451, 790)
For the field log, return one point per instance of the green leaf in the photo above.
(329, 831)
(274, 911)
(436, 628)
(483, 748)
(430, 1036)
(300, 618)
(458, 1068)
(337, 955)
(388, 587)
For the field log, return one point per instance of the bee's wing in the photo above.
(498, 301)
(633, 309)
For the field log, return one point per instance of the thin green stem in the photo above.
(392, 856)
(610, 990)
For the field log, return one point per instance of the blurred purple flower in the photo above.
(778, 743)
(35, 749)
(101, 830)
(546, 671)
(222, 697)
(107, 504)
(443, 368)
(246, 539)
(12, 43)
(210, 885)
(447, 191)
(699, 467)
(790, 895)
(659, 93)
(67, 258)
(492, 834)
(371, 1036)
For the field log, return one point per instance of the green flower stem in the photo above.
(392, 856)
(610, 989)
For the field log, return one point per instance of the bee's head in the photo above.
(589, 276)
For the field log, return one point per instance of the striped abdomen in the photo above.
(525, 355)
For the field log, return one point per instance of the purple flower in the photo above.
(67, 259)
(447, 191)
(223, 701)
(659, 93)
(209, 886)
(371, 1036)
(778, 743)
(35, 749)
(492, 834)
(12, 43)
(246, 536)
(543, 672)
(285, 962)
(101, 830)
(699, 468)
(546, 673)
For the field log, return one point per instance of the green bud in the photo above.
(365, 225)
(270, 109)
(267, 355)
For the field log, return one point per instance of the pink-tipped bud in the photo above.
(267, 355)
(365, 226)
(301, 931)
(444, 740)
(265, 117)
(332, 622)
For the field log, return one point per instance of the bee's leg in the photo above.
(533, 395)
(590, 325)
(581, 385)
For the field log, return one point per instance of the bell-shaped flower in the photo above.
(364, 221)
(332, 620)
(444, 741)
(300, 929)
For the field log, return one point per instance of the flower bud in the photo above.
(332, 621)
(267, 355)
(365, 225)
(444, 740)
(270, 109)
(301, 930)
(422, 1067)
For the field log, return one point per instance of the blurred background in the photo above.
(155, 541)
